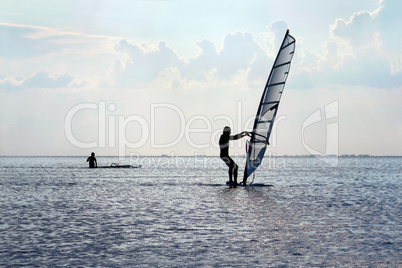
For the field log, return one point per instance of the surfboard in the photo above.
(251, 185)
(114, 165)
(259, 185)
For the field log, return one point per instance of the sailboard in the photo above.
(114, 165)
(268, 107)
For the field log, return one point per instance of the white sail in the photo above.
(268, 107)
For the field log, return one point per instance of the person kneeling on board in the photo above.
(92, 161)
(224, 147)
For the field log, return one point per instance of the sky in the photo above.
(154, 77)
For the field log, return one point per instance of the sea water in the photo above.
(177, 211)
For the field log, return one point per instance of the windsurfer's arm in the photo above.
(238, 136)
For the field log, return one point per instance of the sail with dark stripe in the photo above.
(268, 107)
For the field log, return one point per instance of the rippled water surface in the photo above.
(54, 211)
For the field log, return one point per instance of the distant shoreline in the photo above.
(290, 156)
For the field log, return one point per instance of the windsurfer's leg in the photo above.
(245, 177)
(230, 175)
(235, 169)
(228, 161)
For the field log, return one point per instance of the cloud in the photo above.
(377, 31)
(367, 68)
(332, 58)
(15, 44)
(41, 79)
(360, 31)
(360, 52)
(277, 28)
(145, 62)
(26, 50)
(238, 53)
(357, 53)
(26, 41)
(197, 68)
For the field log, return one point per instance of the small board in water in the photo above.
(114, 165)
(251, 185)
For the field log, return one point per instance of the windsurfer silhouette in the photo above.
(224, 147)
(92, 161)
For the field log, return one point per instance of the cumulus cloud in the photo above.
(145, 62)
(365, 69)
(41, 79)
(238, 53)
(332, 58)
(136, 63)
(25, 49)
(197, 68)
(360, 31)
(360, 52)
(277, 28)
(377, 31)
